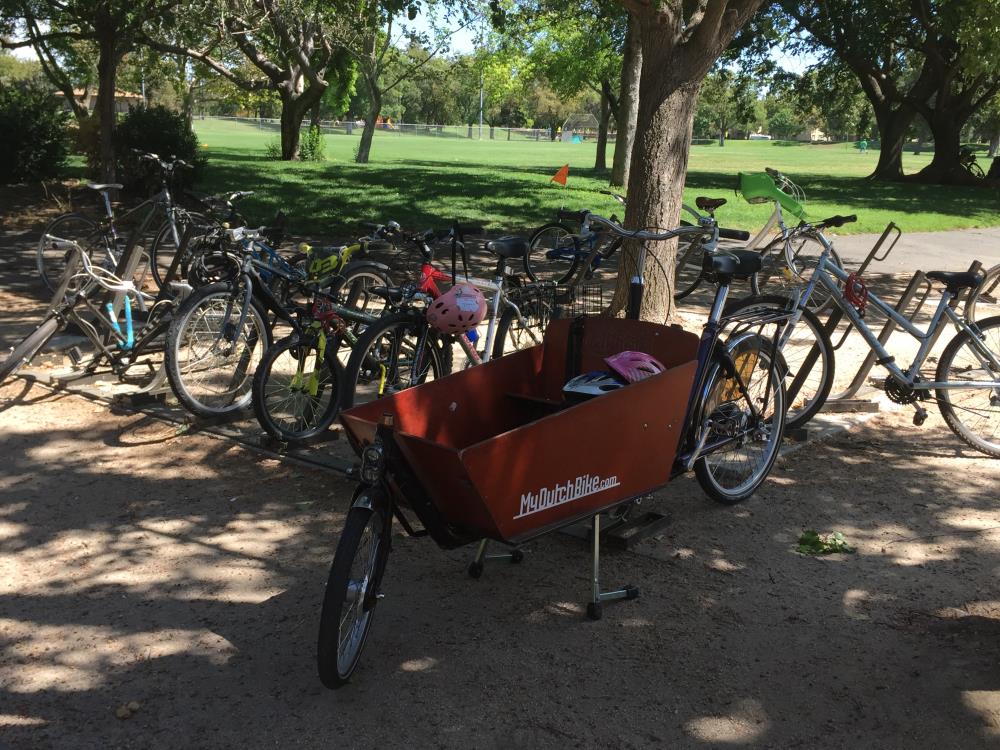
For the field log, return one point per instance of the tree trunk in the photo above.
(314, 116)
(107, 72)
(291, 127)
(994, 144)
(656, 179)
(628, 104)
(600, 161)
(893, 123)
(946, 125)
(374, 110)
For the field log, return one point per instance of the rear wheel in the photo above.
(53, 250)
(351, 593)
(515, 333)
(23, 353)
(396, 353)
(552, 254)
(973, 413)
(687, 274)
(748, 445)
(295, 390)
(985, 301)
(210, 364)
(164, 249)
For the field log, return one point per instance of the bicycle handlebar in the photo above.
(734, 234)
(837, 221)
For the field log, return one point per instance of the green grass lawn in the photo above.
(424, 181)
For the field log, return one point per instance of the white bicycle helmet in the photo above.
(591, 384)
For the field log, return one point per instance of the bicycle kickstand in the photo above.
(594, 609)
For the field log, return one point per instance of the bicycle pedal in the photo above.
(919, 417)
(75, 355)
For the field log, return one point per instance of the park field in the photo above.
(424, 181)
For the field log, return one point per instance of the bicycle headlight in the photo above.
(372, 464)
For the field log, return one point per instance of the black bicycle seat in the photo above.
(104, 186)
(508, 247)
(955, 280)
(738, 264)
(709, 204)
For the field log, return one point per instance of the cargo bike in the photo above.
(495, 454)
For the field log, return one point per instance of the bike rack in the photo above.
(846, 401)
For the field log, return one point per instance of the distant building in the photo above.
(814, 135)
(88, 98)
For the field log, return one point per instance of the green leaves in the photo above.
(812, 543)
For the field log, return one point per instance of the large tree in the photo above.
(56, 28)
(912, 57)
(288, 43)
(628, 103)
(681, 40)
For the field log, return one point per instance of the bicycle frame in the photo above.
(826, 272)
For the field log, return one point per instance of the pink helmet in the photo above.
(458, 310)
(634, 366)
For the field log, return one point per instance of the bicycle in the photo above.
(509, 412)
(74, 303)
(966, 382)
(403, 349)
(788, 258)
(967, 161)
(101, 239)
(219, 335)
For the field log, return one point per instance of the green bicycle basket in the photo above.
(759, 187)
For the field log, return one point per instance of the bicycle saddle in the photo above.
(738, 264)
(955, 280)
(508, 247)
(709, 204)
(104, 186)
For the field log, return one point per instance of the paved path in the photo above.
(927, 251)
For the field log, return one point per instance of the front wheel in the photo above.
(210, 357)
(295, 390)
(352, 591)
(786, 269)
(743, 443)
(520, 332)
(24, 352)
(807, 356)
(985, 299)
(552, 254)
(54, 251)
(973, 413)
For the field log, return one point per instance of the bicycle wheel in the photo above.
(985, 301)
(388, 358)
(296, 388)
(210, 364)
(52, 254)
(687, 273)
(355, 289)
(163, 249)
(778, 276)
(747, 447)
(24, 352)
(552, 254)
(352, 592)
(816, 382)
(973, 413)
(515, 333)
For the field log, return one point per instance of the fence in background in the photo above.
(335, 127)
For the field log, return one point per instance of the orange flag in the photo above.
(561, 175)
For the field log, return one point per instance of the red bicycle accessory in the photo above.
(323, 311)
(856, 293)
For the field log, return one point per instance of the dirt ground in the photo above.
(183, 574)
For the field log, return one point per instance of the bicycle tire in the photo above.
(717, 400)
(549, 269)
(986, 297)
(367, 369)
(162, 251)
(688, 270)
(778, 278)
(354, 288)
(365, 540)
(24, 352)
(236, 364)
(307, 409)
(808, 332)
(982, 402)
(51, 260)
(535, 316)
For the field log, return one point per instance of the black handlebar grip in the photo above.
(839, 221)
(734, 234)
(577, 216)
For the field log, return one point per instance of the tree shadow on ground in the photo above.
(193, 588)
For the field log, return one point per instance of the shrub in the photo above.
(272, 150)
(313, 147)
(32, 131)
(161, 131)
